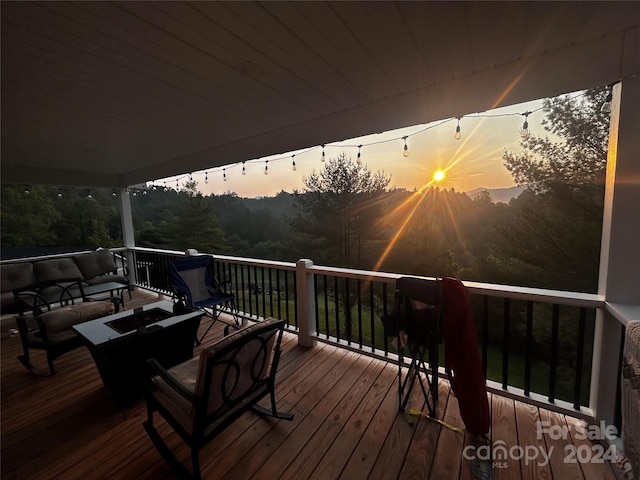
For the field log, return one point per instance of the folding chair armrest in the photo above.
(156, 368)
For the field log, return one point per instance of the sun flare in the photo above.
(439, 175)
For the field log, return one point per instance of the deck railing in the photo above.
(535, 344)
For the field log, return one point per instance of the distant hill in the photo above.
(498, 195)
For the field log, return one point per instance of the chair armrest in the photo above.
(43, 295)
(156, 368)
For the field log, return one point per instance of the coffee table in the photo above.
(120, 344)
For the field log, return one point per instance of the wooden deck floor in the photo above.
(346, 426)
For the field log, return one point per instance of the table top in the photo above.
(103, 287)
(97, 332)
(53, 293)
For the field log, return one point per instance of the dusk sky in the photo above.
(473, 161)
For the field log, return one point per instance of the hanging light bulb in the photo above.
(206, 177)
(27, 189)
(190, 177)
(405, 153)
(322, 158)
(244, 170)
(135, 193)
(359, 160)
(266, 167)
(458, 134)
(89, 195)
(59, 193)
(144, 191)
(606, 106)
(293, 162)
(524, 133)
(224, 174)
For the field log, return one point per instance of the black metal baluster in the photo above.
(270, 294)
(244, 290)
(580, 358)
(505, 343)
(359, 299)
(385, 311)
(317, 309)
(554, 352)
(372, 317)
(279, 301)
(485, 335)
(326, 306)
(295, 301)
(337, 304)
(264, 293)
(528, 353)
(347, 312)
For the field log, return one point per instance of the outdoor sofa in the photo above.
(91, 268)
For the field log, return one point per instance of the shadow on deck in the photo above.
(346, 426)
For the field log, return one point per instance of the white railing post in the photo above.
(306, 304)
(619, 262)
(128, 234)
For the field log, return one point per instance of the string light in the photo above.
(59, 193)
(89, 195)
(405, 153)
(458, 135)
(27, 189)
(113, 192)
(206, 177)
(224, 174)
(524, 133)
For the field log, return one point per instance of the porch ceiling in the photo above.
(114, 94)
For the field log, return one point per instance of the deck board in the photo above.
(503, 433)
(346, 426)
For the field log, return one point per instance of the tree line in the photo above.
(346, 216)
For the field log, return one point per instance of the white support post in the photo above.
(619, 280)
(128, 235)
(306, 304)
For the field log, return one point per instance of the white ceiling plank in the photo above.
(381, 27)
(136, 90)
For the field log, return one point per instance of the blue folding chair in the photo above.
(195, 286)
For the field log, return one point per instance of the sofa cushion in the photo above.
(13, 276)
(16, 275)
(63, 318)
(95, 264)
(56, 269)
(108, 278)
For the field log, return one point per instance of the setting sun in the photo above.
(438, 176)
